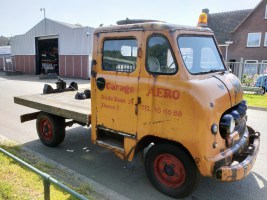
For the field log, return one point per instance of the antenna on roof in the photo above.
(43, 9)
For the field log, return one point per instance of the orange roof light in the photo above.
(202, 20)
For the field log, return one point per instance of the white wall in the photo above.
(73, 40)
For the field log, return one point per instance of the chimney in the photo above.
(206, 10)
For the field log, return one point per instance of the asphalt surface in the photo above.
(127, 179)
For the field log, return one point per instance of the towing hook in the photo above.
(257, 135)
(252, 137)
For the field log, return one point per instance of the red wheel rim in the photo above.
(46, 129)
(169, 170)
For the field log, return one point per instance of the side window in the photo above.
(159, 58)
(119, 55)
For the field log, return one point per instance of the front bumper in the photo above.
(244, 152)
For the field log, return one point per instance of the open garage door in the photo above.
(47, 55)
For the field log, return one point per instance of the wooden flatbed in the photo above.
(61, 104)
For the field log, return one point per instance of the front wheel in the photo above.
(171, 170)
(51, 129)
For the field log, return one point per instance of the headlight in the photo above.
(236, 116)
(227, 125)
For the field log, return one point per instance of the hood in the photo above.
(233, 85)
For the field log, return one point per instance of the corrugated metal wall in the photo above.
(73, 40)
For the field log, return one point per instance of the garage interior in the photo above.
(47, 55)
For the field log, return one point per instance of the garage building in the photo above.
(53, 47)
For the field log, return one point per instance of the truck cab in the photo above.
(166, 87)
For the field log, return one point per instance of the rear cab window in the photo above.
(120, 55)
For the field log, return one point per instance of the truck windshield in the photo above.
(200, 54)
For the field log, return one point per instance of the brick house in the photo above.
(242, 34)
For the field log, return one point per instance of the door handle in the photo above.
(101, 83)
(136, 105)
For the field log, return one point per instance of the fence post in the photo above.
(240, 69)
(46, 189)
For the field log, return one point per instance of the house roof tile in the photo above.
(226, 22)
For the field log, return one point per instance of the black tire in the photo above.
(171, 170)
(263, 91)
(50, 129)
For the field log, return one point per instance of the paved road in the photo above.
(128, 179)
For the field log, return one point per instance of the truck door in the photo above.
(116, 87)
(158, 89)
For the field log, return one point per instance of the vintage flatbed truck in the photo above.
(160, 86)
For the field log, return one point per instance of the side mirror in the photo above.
(93, 70)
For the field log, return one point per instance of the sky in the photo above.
(19, 16)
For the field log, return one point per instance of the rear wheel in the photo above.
(51, 129)
(171, 170)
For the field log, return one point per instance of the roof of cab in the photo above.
(146, 25)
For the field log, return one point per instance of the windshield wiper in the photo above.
(211, 71)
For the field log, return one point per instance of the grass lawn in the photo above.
(256, 100)
(19, 183)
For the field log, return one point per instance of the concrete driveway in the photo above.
(128, 179)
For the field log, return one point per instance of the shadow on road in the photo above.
(129, 179)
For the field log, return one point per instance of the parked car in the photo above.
(262, 82)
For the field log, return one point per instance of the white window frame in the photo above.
(265, 40)
(258, 45)
(264, 61)
(251, 61)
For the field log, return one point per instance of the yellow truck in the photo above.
(165, 88)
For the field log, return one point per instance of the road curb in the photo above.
(257, 108)
(100, 189)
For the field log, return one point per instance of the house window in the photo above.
(263, 67)
(265, 40)
(254, 40)
(251, 61)
(250, 68)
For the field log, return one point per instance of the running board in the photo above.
(111, 146)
